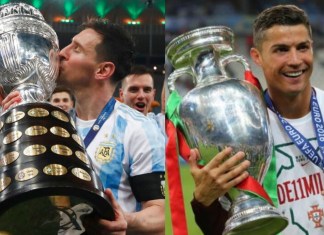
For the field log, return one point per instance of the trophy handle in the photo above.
(177, 74)
(233, 58)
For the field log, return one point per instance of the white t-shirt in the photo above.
(299, 181)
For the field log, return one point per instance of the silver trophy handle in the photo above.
(173, 77)
(233, 58)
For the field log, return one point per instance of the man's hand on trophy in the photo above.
(11, 100)
(217, 177)
(94, 225)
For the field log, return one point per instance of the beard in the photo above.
(62, 81)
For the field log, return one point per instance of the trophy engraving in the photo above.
(36, 130)
(15, 116)
(81, 174)
(77, 139)
(60, 131)
(4, 183)
(222, 112)
(8, 158)
(61, 116)
(55, 170)
(82, 157)
(61, 150)
(26, 174)
(11, 137)
(34, 150)
(38, 112)
(41, 154)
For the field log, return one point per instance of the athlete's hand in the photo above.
(218, 176)
(11, 100)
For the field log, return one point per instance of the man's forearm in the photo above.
(211, 220)
(150, 220)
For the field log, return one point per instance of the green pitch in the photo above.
(187, 187)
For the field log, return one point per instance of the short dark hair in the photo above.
(278, 15)
(139, 70)
(117, 46)
(60, 88)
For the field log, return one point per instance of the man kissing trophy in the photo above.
(45, 173)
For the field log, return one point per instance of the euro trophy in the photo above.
(44, 168)
(221, 111)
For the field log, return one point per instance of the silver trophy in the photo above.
(46, 178)
(28, 52)
(220, 112)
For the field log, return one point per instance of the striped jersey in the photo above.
(128, 144)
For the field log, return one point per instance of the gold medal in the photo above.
(81, 174)
(12, 136)
(9, 158)
(4, 183)
(61, 150)
(26, 174)
(82, 157)
(55, 170)
(36, 130)
(59, 115)
(38, 112)
(34, 150)
(15, 116)
(77, 139)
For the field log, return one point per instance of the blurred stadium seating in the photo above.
(183, 16)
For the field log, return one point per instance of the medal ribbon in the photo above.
(299, 140)
(104, 115)
(176, 145)
(250, 184)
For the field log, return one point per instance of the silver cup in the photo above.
(29, 50)
(46, 178)
(221, 111)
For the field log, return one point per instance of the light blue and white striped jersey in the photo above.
(128, 144)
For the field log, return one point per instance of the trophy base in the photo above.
(40, 216)
(254, 216)
(46, 178)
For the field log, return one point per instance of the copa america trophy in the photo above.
(220, 112)
(45, 172)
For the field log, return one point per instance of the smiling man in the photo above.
(137, 90)
(62, 97)
(283, 49)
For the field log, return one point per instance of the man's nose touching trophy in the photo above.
(222, 112)
(45, 173)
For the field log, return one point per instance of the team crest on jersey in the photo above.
(104, 152)
(316, 215)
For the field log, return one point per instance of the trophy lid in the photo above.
(182, 49)
(20, 9)
(28, 52)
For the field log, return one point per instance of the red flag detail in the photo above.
(252, 185)
(178, 215)
(249, 77)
